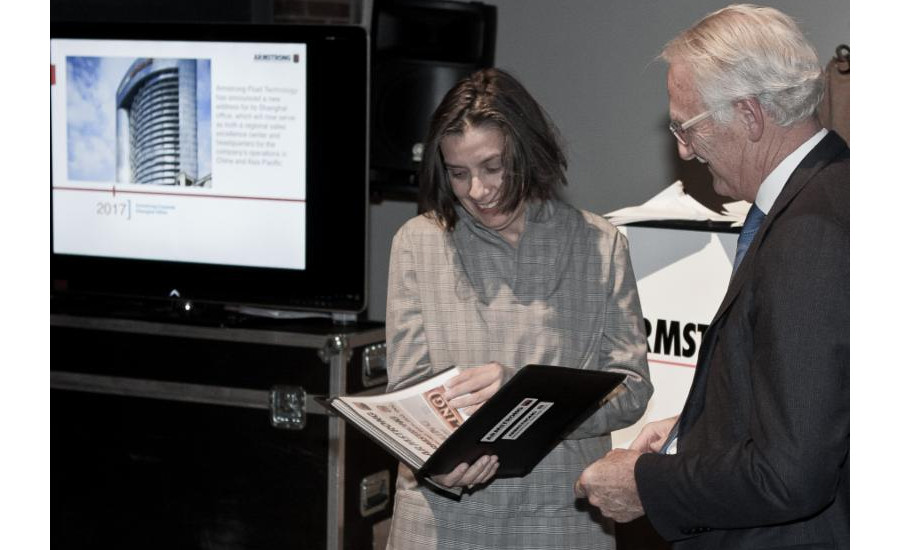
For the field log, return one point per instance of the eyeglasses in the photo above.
(680, 129)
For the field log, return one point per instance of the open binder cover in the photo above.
(520, 424)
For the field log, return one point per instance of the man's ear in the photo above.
(751, 115)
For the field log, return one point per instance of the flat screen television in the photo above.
(219, 163)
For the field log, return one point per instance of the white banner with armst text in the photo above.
(682, 276)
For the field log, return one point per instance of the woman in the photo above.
(496, 274)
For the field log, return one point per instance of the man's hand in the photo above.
(653, 435)
(609, 485)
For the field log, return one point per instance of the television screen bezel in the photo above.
(335, 278)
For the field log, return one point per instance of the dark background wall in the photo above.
(591, 65)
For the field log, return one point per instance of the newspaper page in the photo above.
(414, 421)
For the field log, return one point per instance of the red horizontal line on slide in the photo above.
(672, 363)
(115, 192)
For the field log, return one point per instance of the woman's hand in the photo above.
(468, 391)
(481, 471)
(474, 386)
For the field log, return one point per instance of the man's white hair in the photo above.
(745, 51)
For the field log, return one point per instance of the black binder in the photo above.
(524, 420)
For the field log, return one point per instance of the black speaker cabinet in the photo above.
(420, 49)
(183, 436)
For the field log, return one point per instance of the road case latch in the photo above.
(374, 493)
(287, 407)
(374, 365)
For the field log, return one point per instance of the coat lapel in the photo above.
(820, 156)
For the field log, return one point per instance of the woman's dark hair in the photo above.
(533, 162)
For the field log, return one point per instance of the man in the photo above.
(760, 455)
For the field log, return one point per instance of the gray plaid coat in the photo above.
(566, 295)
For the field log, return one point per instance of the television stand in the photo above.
(185, 311)
(338, 318)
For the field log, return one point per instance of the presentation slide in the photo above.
(180, 151)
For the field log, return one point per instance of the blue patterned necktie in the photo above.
(754, 219)
(752, 222)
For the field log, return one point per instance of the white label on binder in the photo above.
(528, 420)
(507, 420)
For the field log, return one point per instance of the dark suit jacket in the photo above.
(764, 439)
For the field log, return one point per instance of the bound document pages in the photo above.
(520, 424)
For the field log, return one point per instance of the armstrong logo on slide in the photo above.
(277, 57)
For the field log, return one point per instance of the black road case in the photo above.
(179, 435)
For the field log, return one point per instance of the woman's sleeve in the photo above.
(623, 348)
(407, 348)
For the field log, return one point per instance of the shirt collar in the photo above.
(773, 184)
